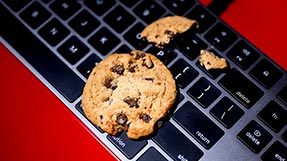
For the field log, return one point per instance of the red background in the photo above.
(35, 125)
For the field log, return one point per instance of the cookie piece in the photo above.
(161, 31)
(211, 61)
(129, 92)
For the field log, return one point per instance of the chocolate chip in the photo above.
(139, 55)
(118, 68)
(132, 69)
(167, 32)
(122, 119)
(148, 63)
(109, 83)
(145, 117)
(149, 79)
(132, 102)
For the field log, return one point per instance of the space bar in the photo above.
(60, 76)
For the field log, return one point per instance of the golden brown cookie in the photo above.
(161, 31)
(128, 92)
(211, 61)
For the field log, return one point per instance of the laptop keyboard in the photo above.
(237, 113)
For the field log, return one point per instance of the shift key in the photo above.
(241, 88)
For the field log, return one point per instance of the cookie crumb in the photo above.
(211, 61)
(162, 30)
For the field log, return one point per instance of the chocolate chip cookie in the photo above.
(162, 30)
(129, 92)
(211, 61)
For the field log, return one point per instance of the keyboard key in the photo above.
(73, 50)
(226, 112)
(206, 132)
(65, 8)
(84, 23)
(165, 55)
(16, 5)
(274, 116)
(119, 19)
(104, 41)
(85, 68)
(190, 45)
(243, 54)
(241, 88)
(203, 17)
(133, 36)
(254, 136)
(80, 109)
(282, 95)
(178, 7)
(35, 15)
(221, 36)
(284, 136)
(127, 146)
(152, 155)
(149, 11)
(129, 3)
(204, 92)
(99, 7)
(183, 73)
(123, 49)
(54, 32)
(178, 146)
(277, 152)
(266, 73)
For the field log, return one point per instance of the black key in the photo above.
(35, 15)
(85, 68)
(213, 73)
(149, 11)
(123, 49)
(133, 36)
(80, 109)
(241, 88)
(119, 19)
(42, 59)
(127, 146)
(73, 50)
(46, 1)
(104, 41)
(183, 73)
(204, 92)
(190, 45)
(99, 7)
(221, 36)
(266, 73)
(282, 95)
(178, 7)
(129, 3)
(65, 8)
(226, 112)
(54, 32)
(243, 54)
(284, 136)
(16, 5)
(84, 23)
(152, 155)
(206, 132)
(274, 116)
(277, 152)
(254, 136)
(165, 55)
(203, 17)
(178, 146)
